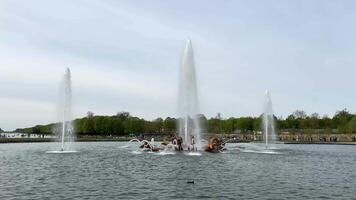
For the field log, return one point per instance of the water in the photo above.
(268, 122)
(64, 112)
(188, 99)
(103, 170)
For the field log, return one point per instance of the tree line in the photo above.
(123, 124)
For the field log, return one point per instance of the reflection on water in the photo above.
(106, 171)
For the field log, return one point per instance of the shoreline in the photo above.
(323, 143)
(41, 140)
(92, 139)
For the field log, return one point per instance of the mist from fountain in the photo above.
(268, 122)
(188, 106)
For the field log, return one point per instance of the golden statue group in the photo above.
(175, 143)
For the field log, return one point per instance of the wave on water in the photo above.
(193, 154)
(273, 148)
(136, 152)
(165, 153)
(266, 151)
(61, 152)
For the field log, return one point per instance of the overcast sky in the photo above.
(125, 56)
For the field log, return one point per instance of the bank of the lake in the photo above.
(81, 139)
(286, 138)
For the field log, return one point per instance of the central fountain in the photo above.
(65, 128)
(189, 125)
(268, 122)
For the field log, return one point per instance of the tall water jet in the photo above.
(188, 108)
(268, 121)
(65, 131)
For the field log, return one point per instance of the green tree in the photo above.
(341, 119)
(169, 125)
(123, 115)
(351, 125)
(88, 126)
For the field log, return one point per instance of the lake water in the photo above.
(106, 170)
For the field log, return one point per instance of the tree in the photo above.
(314, 121)
(229, 125)
(341, 119)
(36, 129)
(245, 123)
(169, 125)
(292, 122)
(325, 122)
(158, 125)
(257, 124)
(351, 125)
(118, 128)
(123, 115)
(299, 114)
(214, 125)
(314, 115)
(90, 114)
(88, 126)
(124, 124)
(98, 124)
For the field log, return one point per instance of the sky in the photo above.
(125, 56)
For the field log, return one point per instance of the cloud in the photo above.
(125, 55)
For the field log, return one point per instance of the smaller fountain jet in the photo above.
(67, 128)
(268, 121)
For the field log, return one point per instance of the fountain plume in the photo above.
(188, 99)
(268, 121)
(65, 112)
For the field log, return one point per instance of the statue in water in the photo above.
(215, 145)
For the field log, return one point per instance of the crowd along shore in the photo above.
(286, 138)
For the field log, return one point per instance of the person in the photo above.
(179, 143)
(174, 141)
(192, 143)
